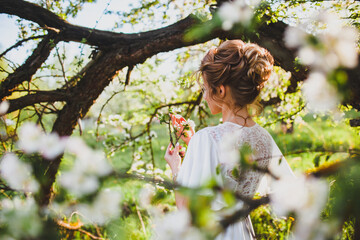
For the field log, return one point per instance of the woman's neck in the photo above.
(242, 117)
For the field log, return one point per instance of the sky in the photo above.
(87, 17)
(92, 16)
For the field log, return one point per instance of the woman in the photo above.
(233, 75)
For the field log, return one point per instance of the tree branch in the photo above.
(38, 97)
(355, 122)
(29, 68)
(32, 12)
(70, 32)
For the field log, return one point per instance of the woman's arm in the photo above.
(181, 201)
(173, 158)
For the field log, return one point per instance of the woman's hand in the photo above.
(182, 127)
(173, 158)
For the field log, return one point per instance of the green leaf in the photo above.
(218, 169)
(316, 160)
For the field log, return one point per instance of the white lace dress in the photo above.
(205, 153)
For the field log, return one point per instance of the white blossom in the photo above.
(89, 164)
(307, 55)
(306, 196)
(76, 145)
(33, 139)
(176, 226)
(78, 183)
(230, 155)
(30, 137)
(52, 146)
(17, 174)
(235, 11)
(191, 123)
(167, 90)
(125, 125)
(335, 46)
(158, 171)
(141, 171)
(145, 195)
(153, 134)
(168, 172)
(345, 47)
(176, 109)
(137, 165)
(20, 216)
(4, 107)
(105, 207)
(319, 94)
(88, 161)
(114, 119)
(294, 37)
(289, 194)
(9, 122)
(149, 166)
(92, 162)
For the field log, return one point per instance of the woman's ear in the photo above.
(222, 91)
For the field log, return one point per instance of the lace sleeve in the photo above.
(247, 181)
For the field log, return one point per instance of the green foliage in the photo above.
(266, 226)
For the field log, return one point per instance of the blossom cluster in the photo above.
(304, 196)
(82, 179)
(89, 166)
(18, 174)
(324, 52)
(176, 225)
(20, 218)
(32, 139)
(232, 12)
(105, 206)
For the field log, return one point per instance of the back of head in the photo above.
(244, 67)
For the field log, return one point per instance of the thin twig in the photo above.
(141, 220)
(62, 65)
(349, 151)
(284, 117)
(19, 43)
(39, 121)
(91, 235)
(77, 227)
(102, 109)
(127, 79)
(150, 121)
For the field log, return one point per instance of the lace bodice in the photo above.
(260, 142)
(206, 152)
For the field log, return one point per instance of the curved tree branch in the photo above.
(29, 68)
(38, 97)
(70, 32)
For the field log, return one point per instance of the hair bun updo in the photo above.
(245, 67)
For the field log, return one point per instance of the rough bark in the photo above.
(28, 69)
(38, 97)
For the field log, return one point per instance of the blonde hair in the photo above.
(244, 67)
